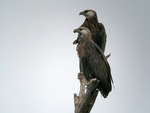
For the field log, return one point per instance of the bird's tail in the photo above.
(104, 90)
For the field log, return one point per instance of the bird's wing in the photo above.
(105, 61)
(97, 61)
(102, 36)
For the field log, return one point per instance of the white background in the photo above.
(39, 64)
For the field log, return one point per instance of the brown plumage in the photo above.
(93, 63)
(97, 29)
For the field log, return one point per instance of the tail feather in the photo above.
(104, 90)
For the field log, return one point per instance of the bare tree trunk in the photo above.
(85, 101)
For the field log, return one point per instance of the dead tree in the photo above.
(85, 101)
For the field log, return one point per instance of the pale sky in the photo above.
(39, 64)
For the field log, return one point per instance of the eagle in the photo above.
(97, 29)
(93, 63)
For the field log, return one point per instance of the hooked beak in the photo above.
(82, 13)
(76, 31)
(75, 42)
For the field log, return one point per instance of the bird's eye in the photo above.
(85, 11)
(80, 29)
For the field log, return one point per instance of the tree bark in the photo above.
(108, 56)
(85, 101)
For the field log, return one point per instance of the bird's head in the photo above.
(84, 34)
(88, 14)
(83, 31)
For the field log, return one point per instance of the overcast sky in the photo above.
(39, 64)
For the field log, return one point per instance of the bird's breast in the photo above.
(80, 49)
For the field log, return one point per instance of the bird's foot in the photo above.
(94, 79)
(88, 83)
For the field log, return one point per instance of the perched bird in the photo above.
(97, 29)
(93, 63)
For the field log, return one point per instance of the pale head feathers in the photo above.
(83, 31)
(88, 13)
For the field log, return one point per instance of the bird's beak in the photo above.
(76, 31)
(75, 42)
(82, 13)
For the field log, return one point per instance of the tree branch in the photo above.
(85, 101)
(108, 56)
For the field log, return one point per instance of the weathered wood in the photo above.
(82, 86)
(85, 101)
(108, 56)
(89, 98)
(78, 99)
